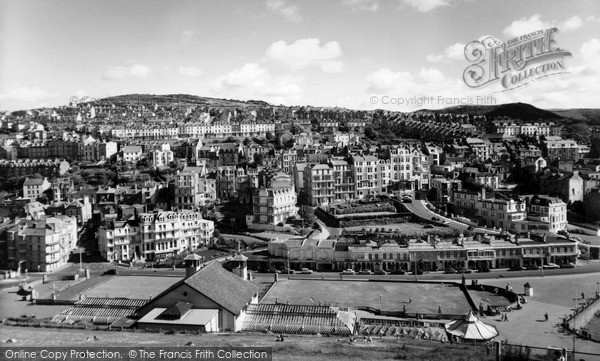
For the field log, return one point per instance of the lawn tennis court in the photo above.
(387, 296)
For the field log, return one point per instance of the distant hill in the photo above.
(182, 99)
(513, 110)
(592, 115)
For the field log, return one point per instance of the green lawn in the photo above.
(389, 296)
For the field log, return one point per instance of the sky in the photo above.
(398, 55)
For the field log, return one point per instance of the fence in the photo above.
(511, 352)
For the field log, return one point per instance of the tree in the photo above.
(307, 214)
(269, 136)
(579, 132)
(591, 203)
(247, 142)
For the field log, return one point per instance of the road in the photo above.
(582, 268)
(418, 207)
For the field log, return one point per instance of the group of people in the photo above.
(279, 338)
(504, 316)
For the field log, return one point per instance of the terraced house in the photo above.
(38, 245)
(154, 236)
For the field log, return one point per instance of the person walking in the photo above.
(546, 316)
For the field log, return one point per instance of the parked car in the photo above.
(551, 266)
(349, 272)
(427, 226)
(398, 272)
(435, 219)
(567, 265)
(306, 271)
(365, 272)
(273, 270)
(533, 267)
(380, 272)
(517, 267)
(483, 270)
(286, 270)
(445, 221)
(465, 270)
(449, 271)
(111, 272)
(576, 231)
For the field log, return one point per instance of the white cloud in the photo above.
(285, 9)
(124, 72)
(249, 75)
(590, 50)
(425, 6)
(307, 52)
(386, 80)
(363, 5)
(453, 52)
(27, 94)
(571, 24)
(252, 81)
(190, 71)
(535, 22)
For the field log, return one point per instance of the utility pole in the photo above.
(574, 319)
(288, 263)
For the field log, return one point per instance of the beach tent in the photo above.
(471, 328)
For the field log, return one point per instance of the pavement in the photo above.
(556, 295)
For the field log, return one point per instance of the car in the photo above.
(551, 266)
(483, 270)
(567, 265)
(576, 231)
(445, 221)
(381, 272)
(435, 219)
(398, 272)
(306, 271)
(533, 267)
(365, 272)
(517, 267)
(427, 226)
(465, 270)
(288, 270)
(449, 271)
(273, 270)
(111, 272)
(348, 272)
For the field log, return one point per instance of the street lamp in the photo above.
(288, 263)
(541, 253)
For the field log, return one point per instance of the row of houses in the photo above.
(154, 235)
(434, 253)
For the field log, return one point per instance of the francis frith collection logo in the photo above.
(516, 62)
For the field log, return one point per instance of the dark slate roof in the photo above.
(176, 311)
(223, 287)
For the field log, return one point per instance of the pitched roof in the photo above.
(176, 311)
(223, 287)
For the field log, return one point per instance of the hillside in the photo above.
(181, 100)
(522, 111)
(592, 115)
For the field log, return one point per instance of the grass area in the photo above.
(294, 348)
(389, 296)
(132, 287)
